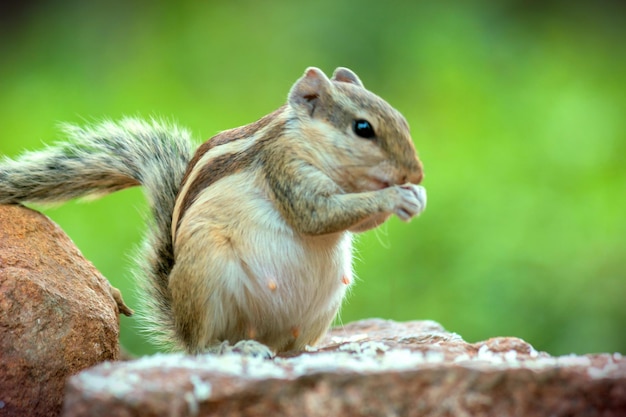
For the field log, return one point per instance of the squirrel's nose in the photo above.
(417, 175)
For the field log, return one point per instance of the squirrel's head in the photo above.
(367, 144)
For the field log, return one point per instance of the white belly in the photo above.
(254, 276)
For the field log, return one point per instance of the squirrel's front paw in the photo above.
(411, 201)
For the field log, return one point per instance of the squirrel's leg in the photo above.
(203, 284)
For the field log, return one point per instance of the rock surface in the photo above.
(367, 368)
(57, 314)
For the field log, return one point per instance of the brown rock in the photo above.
(368, 368)
(57, 314)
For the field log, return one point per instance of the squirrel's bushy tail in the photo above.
(104, 158)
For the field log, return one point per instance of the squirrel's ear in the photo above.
(312, 87)
(344, 75)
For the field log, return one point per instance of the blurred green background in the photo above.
(518, 110)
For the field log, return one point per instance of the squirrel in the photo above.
(250, 245)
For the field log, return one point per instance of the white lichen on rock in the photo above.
(346, 372)
(352, 356)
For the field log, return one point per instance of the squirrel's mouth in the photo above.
(385, 180)
(375, 183)
(379, 184)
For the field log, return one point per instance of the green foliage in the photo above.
(519, 114)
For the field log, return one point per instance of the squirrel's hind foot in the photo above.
(243, 347)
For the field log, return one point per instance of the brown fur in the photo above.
(262, 225)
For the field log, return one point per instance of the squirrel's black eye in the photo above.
(363, 128)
